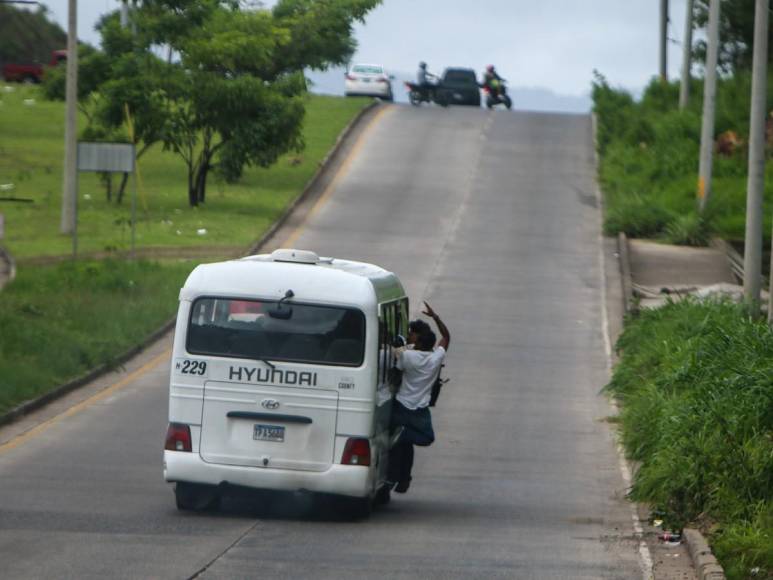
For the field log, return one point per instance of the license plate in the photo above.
(268, 433)
(366, 80)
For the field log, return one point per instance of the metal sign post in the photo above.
(110, 158)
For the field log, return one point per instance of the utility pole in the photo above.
(124, 14)
(664, 40)
(70, 181)
(684, 88)
(752, 256)
(709, 104)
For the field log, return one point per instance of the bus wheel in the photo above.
(360, 508)
(194, 497)
(383, 495)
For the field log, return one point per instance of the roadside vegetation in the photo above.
(226, 137)
(59, 322)
(695, 379)
(648, 165)
(696, 385)
(236, 214)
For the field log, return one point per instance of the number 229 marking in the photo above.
(192, 367)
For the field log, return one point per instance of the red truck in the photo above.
(31, 73)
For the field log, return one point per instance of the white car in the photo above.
(369, 80)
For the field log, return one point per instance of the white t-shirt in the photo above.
(420, 370)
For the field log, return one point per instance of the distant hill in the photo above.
(28, 36)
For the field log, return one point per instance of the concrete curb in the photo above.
(34, 404)
(625, 271)
(706, 564)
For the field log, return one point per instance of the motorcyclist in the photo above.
(425, 79)
(491, 80)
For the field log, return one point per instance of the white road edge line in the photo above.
(644, 551)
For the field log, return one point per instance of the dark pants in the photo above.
(417, 425)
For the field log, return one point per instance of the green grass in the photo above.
(696, 386)
(60, 321)
(31, 155)
(649, 163)
(57, 322)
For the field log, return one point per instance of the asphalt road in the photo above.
(492, 217)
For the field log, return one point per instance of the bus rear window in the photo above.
(245, 329)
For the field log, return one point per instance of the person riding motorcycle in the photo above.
(491, 80)
(425, 79)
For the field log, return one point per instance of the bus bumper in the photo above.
(348, 480)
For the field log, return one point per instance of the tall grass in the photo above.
(58, 322)
(649, 162)
(696, 385)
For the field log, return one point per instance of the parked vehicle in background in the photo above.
(31, 72)
(460, 87)
(368, 80)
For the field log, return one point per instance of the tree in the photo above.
(234, 96)
(241, 102)
(736, 32)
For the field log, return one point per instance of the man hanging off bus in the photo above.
(411, 418)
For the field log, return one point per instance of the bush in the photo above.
(649, 151)
(696, 386)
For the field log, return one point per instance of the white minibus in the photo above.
(279, 378)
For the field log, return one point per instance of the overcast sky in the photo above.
(546, 44)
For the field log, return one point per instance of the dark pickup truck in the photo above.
(31, 73)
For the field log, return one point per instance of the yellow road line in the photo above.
(342, 171)
(38, 429)
(27, 435)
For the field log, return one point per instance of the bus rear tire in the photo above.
(359, 508)
(195, 497)
(383, 495)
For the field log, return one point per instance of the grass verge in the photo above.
(648, 166)
(57, 322)
(696, 385)
(31, 154)
(60, 321)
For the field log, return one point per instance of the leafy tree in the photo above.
(736, 33)
(242, 87)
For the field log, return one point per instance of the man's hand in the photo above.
(446, 336)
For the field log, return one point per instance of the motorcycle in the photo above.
(418, 94)
(496, 94)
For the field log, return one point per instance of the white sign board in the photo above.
(109, 157)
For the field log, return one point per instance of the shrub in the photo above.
(696, 386)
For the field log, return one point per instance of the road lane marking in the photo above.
(128, 379)
(342, 171)
(645, 556)
(95, 398)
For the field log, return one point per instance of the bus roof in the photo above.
(311, 278)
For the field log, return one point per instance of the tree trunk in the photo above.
(122, 188)
(201, 182)
(193, 198)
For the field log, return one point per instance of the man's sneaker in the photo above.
(402, 486)
(395, 437)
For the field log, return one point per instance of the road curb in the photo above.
(625, 271)
(706, 565)
(62, 390)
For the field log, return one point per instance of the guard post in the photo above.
(110, 158)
